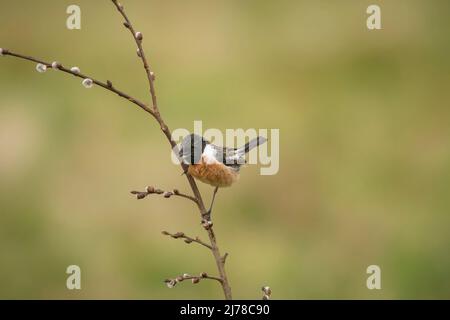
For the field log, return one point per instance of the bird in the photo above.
(214, 165)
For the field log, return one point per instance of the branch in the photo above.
(224, 258)
(75, 72)
(137, 36)
(195, 279)
(188, 239)
(167, 194)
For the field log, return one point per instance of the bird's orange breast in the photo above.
(216, 174)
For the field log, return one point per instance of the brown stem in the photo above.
(188, 239)
(167, 194)
(165, 129)
(108, 85)
(195, 279)
(141, 53)
(207, 277)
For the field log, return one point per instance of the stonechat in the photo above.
(212, 164)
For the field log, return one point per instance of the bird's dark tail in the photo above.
(251, 144)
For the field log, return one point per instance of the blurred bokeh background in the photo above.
(364, 124)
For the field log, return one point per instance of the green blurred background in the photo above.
(364, 165)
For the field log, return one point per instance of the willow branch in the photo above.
(108, 85)
(186, 238)
(167, 194)
(195, 279)
(224, 258)
(137, 36)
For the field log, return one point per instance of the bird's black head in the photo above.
(192, 147)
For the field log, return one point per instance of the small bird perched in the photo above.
(214, 165)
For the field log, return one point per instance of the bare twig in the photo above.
(195, 279)
(108, 85)
(167, 194)
(186, 238)
(137, 36)
(224, 258)
(165, 129)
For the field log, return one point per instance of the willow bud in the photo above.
(56, 65)
(41, 67)
(88, 83)
(75, 70)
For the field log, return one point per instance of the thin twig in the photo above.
(224, 258)
(108, 85)
(167, 194)
(186, 238)
(137, 36)
(165, 129)
(195, 279)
